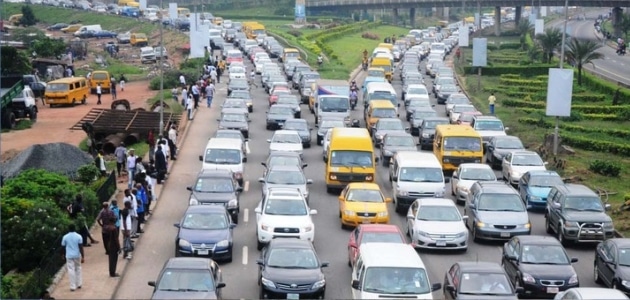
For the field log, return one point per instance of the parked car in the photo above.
(612, 264)
(586, 293)
(188, 278)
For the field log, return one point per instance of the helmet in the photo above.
(354, 82)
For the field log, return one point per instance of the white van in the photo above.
(224, 154)
(86, 28)
(214, 33)
(380, 91)
(415, 175)
(438, 48)
(387, 270)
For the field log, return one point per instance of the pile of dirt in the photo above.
(54, 157)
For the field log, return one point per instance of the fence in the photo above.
(107, 189)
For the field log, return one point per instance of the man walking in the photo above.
(113, 247)
(99, 92)
(113, 88)
(122, 82)
(195, 93)
(131, 167)
(491, 101)
(129, 197)
(72, 244)
(125, 215)
(172, 142)
(103, 219)
(209, 93)
(160, 164)
(189, 107)
(121, 156)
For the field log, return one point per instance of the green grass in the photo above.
(141, 149)
(173, 106)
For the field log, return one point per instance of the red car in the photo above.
(466, 117)
(273, 98)
(372, 233)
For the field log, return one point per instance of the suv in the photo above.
(487, 127)
(495, 212)
(576, 214)
(217, 187)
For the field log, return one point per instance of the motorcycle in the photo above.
(364, 66)
(320, 60)
(353, 101)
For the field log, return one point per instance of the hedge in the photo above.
(595, 144)
(525, 71)
(521, 82)
(598, 117)
(575, 128)
(322, 40)
(582, 108)
(585, 97)
(316, 35)
(599, 85)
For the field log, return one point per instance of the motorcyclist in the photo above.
(320, 59)
(354, 96)
(353, 86)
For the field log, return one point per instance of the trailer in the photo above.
(18, 101)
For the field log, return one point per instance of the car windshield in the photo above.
(446, 81)
(494, 125)
(544, 254)
(283, 161)
(286, 139)
(376, 73)
(384, 95)
(234, 118)
(351, 158)
(297, 126)
(214, 185)
(381, 237)
(223, 156)
(456, 100)
(420, 115)
(292, 258)
(285, 177)
(417, 91)
(545, 180)
(399, 141)
(56, 87)
(433, 124)
(509, 143)
(624, 257)
(279, 110)
(288, 101)
(238, 84)
(205, 221)
(360, 195)
(237, 70)
(462, 143)
(526, 160)
(448, 89)
(396, 280)
(421, 175)
(500, 202)
(583, 204)
(285, 207)
(463, 108)
(438, 213)
(330, 104)
(186, 280)
(240, 95)
(229, 135)
(477, 174)
(419, 103)
(101, 76)
(484, 283)
(389, 125)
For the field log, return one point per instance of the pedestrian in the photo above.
(150, 191)
(99, 92)
(195, 93)
(214, 75)
(139, 168)
(151, 142)
(184, 96)
(491, 100)
(116, 210)
(172, 142)
(131, 166)
(252, 77)
(75, 209)
(100, 162)
(210, 93)
(113, 247)
(160, 164)
(182, 80)
(139, 210)
(113, 88)
(189, 107)
(131, 199)
(125, 215)
(175, 94)
(122, 80)
(121, 156)
(219, 72)
(103, 219)
(73, 252)
(162, 141)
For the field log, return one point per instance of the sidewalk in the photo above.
(96, 281)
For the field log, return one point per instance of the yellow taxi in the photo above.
(363, 203)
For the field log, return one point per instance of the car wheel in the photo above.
(259, 245)
(517, 283)
(596, 274)
(399, 208)
(560, 236)
(453, 190)
(474, 233)
(548, 225)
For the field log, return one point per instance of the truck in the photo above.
(331, 99)
(18, 101)
(37, 85)
(253, 29)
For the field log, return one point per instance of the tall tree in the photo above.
(524, 27)
(14, 61)
(549, 41)
(624, 25)
(28, 17)
(580, 53)
(48, 48)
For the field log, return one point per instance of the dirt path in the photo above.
(53, 124)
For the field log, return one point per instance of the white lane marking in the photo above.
(246, 186)
(246, 215)
(245, 255)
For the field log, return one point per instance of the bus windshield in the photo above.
(462, 144)
(351, 158)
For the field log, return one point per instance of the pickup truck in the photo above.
(37, 86)
(18, 101)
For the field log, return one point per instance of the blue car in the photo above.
(104, 34)
(534, 187)
(205, 231)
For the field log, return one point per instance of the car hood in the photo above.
(287, 221)
(296, 276)
(214, 197)
(198, 236)
(384, 132)
(525, 169)
(438, 227)
(395, 149)
(503, 217)
(536, 191)
(365, 207)
(290, 147)
(548, 271)
(278, 117)
(301, 187)
(233, 124)
(586, 216)
(184, 295)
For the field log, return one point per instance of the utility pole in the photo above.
(161, 68)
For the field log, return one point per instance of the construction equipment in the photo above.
(17, 101)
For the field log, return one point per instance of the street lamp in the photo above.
(564, 37)
(161, 68)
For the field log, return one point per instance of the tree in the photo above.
(14, 61)
(549, 42)
(28, 17)
(624, 25)
(523, 28)
(48, 47)
(580, 53)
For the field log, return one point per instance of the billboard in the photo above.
(300, 11)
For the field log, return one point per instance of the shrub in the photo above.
(521, 82)
(599, 85)
(597, 145)
(171, 78)
(193, 63)
(605, 168)
(370, 36)
(525, 71)
(295, 33)
(88, 173)
(510, 46)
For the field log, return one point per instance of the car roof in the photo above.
(208, 173)
(475, 166)
(196, 263)
(390, 255)
(286, 132)
(284, 153)
(281, 105)
(290, 243)
(295, 121)
(486, 117)
(480, 266)
(538, 240)
(576, 190)
(383, 120)
(599, 293)
(506, 137)
(497, 187)
(435, 202)
(542, 173)
(364, 186)
(205, 209)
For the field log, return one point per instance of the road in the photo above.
(612, 66)
(157, 244)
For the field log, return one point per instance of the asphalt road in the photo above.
(157, 244)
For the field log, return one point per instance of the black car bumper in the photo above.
(539, 291)
(278, 293)
(224, 254)
(276, 124)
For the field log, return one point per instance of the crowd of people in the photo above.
(189, 95)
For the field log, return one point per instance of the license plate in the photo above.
(293, 296)
(552, 290)
(440, 243)
(505, 234)
(202, 252)
(366, 221)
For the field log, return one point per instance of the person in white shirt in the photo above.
(131, 167)
(195, 92)
(252, 77)
(189, 107)
(184, 96)
(172, 142)
(129, 197)
(182, 80)
(172, 134)
(214, 75)
(99, 92)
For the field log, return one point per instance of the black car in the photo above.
(478, 280)
(217, 187)
(499, 146)
(293, 101)
(290, 269)
(188, 278)
(426, 130)
(182, 24)
(216, 43)
(277, 115)
(205, 231)
(540, 265)
(237, 85)
(57, 26)
(394, 142)
(301, 126)
(233, 119)
(612, 264)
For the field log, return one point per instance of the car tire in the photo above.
(596, 277)
(398, 208)
(560, 236)
(548, 227)
(259, 245)
(474, 233)
(330, 190)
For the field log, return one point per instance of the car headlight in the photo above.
(382, 214)
(574, 279)
(425, 135)
(461, 234)
(183, 243)
(232, 203)
(422, 233)
(319, 284)
(527, 225)
(440, 193)
(193, 201)
(481, 224)
(223, 243)
(402, 193)
(264, 227)
(221, 127)
(570, 224)
(308, 228)
(528, 278)
(608, 225)
(369, 178)
(268, 283)
(349, 213)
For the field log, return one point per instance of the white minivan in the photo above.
(86, 28)
(415, 175)
(390, 271)
(224, 154)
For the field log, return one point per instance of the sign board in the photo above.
(464, 36)
(143, 4)
(480, 52)
(172, 11)
(198, 40)
(532, 18)
(559, 92)
(543, 11)
(477, 20)
(539, 27)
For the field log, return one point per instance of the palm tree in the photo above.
(549, 42)
(579, 53)
(524, 27)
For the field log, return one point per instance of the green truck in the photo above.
(18, 101)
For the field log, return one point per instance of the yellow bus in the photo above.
(455, 144)
(350, 158)
(217, 21)
(290, 53)
(385, 64)
(103, 78)
(379, 109)
(253, 29)
(182, 11)
(64, 91)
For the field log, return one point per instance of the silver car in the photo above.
(285, 176)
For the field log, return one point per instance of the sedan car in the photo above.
(277, 115)
(499, 146)
(445, 92)
(362, 203)
(237, 85)
(290, 269)
(384, 126)
(372, 233)
(188, 278)
(517, 163)
(416, 104)
(612, 264)
(245, 95)
(286, 140)
(455, 99)
(540, 265)
(234, 121)
(293, 101)
(458, 109)
(478, 280)
(217, 187)
(394, 142)
(434, 223)
(104, 34)
(301, 126)
(290, 176)
(586, 293)
(206, 231)
(418, 117)
(57, 26)
(534, 187)
(466, 175)
(282, 159)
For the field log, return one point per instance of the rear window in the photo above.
(235, 54)
(99, 76)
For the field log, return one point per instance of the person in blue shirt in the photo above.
(116, 210)
(141, 197)
(72, 244)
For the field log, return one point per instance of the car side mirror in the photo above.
(388, 200)
(249, 120)
(447, 180)
(189, 188)
(151, 283)
(394, 178)
(324, 264)
(258, 210)
(239, 189)
(316, 125)
(263, 164)
(471, 205)
(309, 181)
(450, 288)
(432, 105)
(326, 159)
(244, 159)
(546, 163)
(464, 218)
(574, 260)
(398, 115)
(607, 206)
(304, 166)
(406, 128)
(455, 175)
(261, 180)
(200, 157)
(555, 205)
(232, 225)
(268, 141)
(356, 285)
(313, 212)
(519, 290)
(177, 225)
(219, 119)
(436, 286)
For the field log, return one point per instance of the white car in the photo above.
(517, 163)
(283, 213)
(458, 109)
(326, 144)
(435, 223)
(455, 99)
(259, 65)
(416, 91)
(585, 293)
(286, 140)
(237, 72)
(466, 175)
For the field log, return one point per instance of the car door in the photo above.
(506, 165)
(511, 248)
(454, 180)
(609, 263)
(353, 245)
(451, 279)
(471, 211)
(411, 218)
(342, 200)
(555, 210)
(522, 187)
(218, 276)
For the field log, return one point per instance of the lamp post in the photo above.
(564, 37)
(161, 68)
